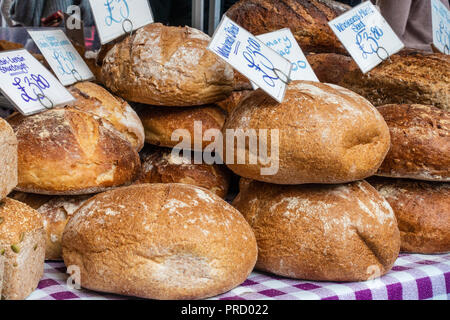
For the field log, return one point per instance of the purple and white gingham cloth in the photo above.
(413, 277)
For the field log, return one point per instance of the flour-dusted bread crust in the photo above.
(407, 79)
(307, 19)
(8, 159)
(55, 212)
(160, 241)
(161, 165)
(167, 66)
(422, 210)
(160, 123)
(327, 134)
(95, 99)
(22, 244)
(66, 151)
(321, 232)
(420, 137)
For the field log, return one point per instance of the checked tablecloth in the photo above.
(413, 276)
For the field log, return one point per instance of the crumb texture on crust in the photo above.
(8, 159)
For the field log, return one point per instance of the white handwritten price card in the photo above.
(251, 57)
(115, 18)
(29, 86)
(441, 26)
(366, 35)
(61, 55)
(283, 42)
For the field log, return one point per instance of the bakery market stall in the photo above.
(274, 159)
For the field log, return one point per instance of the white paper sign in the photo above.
(366, 35)
(115, 18)
(251, 57)
(283, 42)
(61, 55)
(29, 86)
(441, 26)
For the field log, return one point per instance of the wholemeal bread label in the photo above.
(115, 18)
(28, 84)
(61, 55)
(252, 58)
(283, 41)
(366, 35)
(441, 26)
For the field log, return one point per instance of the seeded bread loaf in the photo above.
(8, 159)
(320, 232)
(22, 243)
(160, 241)
(167, 66)
(65, 151)
(422, 210)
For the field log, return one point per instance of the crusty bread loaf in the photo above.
(160, 123)
(327, 134)
(409, 77)
(8, 159)
(55, 212)
(65, 151)
(230, 103)
(160, 241)
(420, 139)
(22, 243)
(241, 82)
(167, 66)
(161, 165)
(95, 99)
(307, 19)
(422, 210)
(321, 232)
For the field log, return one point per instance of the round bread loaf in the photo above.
(95, 99)
(326, 134)
(167, 66)
(8, 159)
(321, 232)
(231, 103)
(22, 244)
(65, 151)
(161, 165)
(161, 123)
(420, 138)
(160, 241)
(422, 210)
(55, 211)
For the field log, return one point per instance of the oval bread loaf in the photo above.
(160, 241)
(321, 232)
(326, 134)
(8, 159)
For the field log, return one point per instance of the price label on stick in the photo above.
(115, 18)
(283, 42)
(251, 57)
(61, 55)
(29, 86)
(441, 26)
(366, 35)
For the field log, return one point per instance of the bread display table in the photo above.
(414, 276)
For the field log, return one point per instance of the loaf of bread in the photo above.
(167, 66)
(410, 77)
(320, 232)
(65, 151)
(230, 103)
(420, 142)
(422, 210)
(22, 243)
(161, 165)
(307, 19)
(8, 159)
(161, 123)
(55, 212)
(6, 45)
(160, 241)
(95, 99)
(326, 134)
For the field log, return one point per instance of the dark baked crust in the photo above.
(231, 103)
